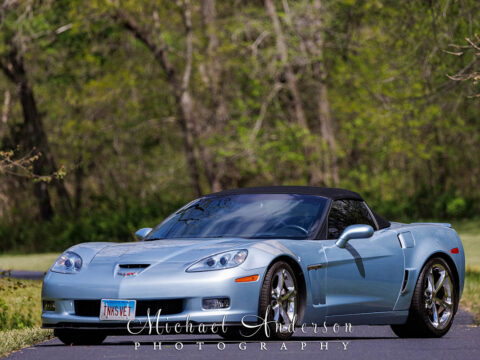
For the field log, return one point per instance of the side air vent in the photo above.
(133, 266)
(405, 281)
(406, 240)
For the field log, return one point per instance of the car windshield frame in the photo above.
(183, 215)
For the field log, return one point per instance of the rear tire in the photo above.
(434, 303)
(79, 337)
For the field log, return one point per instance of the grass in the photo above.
(469, 231)
(32, 262)
(17, 339)
(19, 303)
(20, 309)
(471, 245)
(471, 293)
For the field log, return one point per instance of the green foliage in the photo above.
(3, 314)
(406, 135)
(457, 207)
(108, 222)
(19, 303)
(20, 311)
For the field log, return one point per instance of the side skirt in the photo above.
(378, 318)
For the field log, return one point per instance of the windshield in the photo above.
(265, 216)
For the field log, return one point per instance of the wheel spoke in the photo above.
(435, 314)
(284, 277)
(280, 283)
(276, 312)
(286, 319)
(445, 304)
(440, 281)
(431, 282)
(274, 294)
(290, 293)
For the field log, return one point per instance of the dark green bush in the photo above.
(426, 204)
(118, 220)
(109, 221)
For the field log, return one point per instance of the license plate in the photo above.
(111, 309)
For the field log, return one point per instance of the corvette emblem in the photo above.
(127, 273)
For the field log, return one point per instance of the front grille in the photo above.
(87, 307)
(133, 266)
(91, 308)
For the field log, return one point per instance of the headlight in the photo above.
(220, 261)
(67, 263)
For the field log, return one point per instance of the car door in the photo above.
(365, 276)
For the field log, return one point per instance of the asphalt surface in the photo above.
(22, 274)
(365, 342)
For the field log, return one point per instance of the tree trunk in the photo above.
(182, 98)
(219, 112)
(36, 139)
(315, 176)
(5, 114)
(33, 137)
(79, 176)
(324, 115)
(185, 116)
(327, 130)
(289, 74)
(186, 100)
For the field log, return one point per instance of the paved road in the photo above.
(365, 342)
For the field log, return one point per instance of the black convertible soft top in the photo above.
(330, 193)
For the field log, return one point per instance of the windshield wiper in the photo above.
(276, 236)
(225, 236)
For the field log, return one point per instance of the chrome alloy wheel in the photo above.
(439, 296)
(284, 299)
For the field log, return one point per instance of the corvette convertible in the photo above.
(283, 256)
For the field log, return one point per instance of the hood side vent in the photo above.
(405, 282)
(133, 266)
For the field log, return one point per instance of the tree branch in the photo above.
(159, 51)
(7, 71)
(282, 51)
(187, 22)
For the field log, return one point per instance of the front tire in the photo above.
(79, 337)
(279, 301)
(434, 302)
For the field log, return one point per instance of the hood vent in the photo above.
(133, 266)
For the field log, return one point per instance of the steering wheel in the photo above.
(298, 228)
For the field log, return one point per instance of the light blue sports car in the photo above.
(284, 256)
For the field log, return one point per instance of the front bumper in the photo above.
(100, 282)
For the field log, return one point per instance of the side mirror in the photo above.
(354, 232)
(140, 234)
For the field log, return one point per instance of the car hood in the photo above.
(181, 250)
